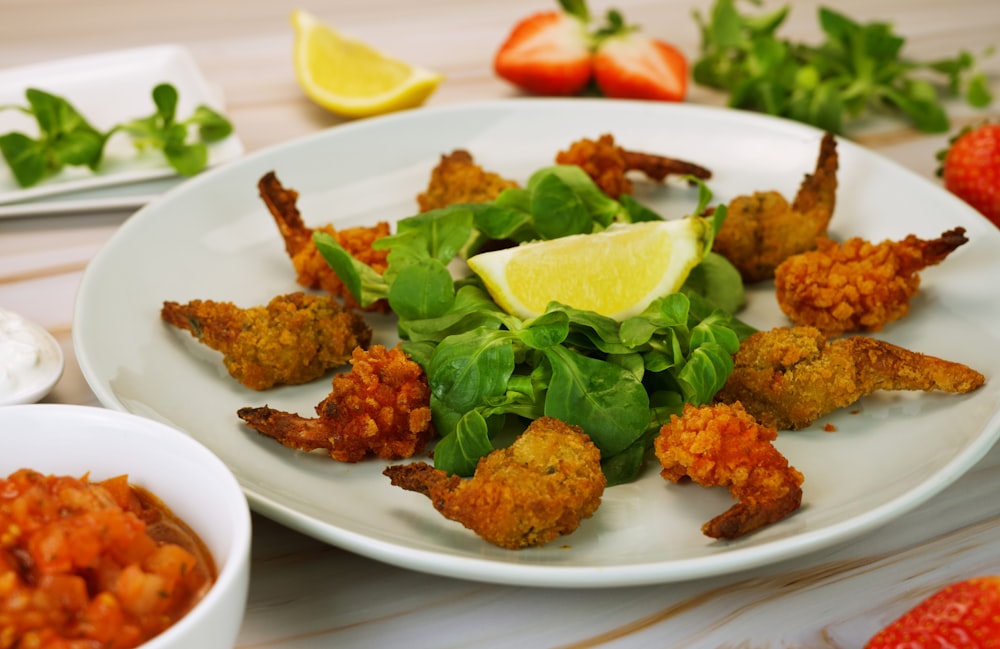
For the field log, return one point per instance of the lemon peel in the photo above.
(617, 272)
(351, 78)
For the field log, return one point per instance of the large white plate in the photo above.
(87, 82)
(212, 238)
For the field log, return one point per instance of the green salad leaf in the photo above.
(619, 381)
(66, 138)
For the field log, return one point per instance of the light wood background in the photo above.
(307, 594)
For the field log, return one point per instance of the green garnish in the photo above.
(66, 138)
(857, 70)
(619, 381)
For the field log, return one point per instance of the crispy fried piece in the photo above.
(381, 407)
(858, 285)
(761, 230)
(724, 446)
(458, 179)
(608, 164)
(294, 339)
(540, 487)
(788, 377)
(311, 268)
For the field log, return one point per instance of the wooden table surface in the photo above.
(305, 593)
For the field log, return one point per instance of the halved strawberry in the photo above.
(547, 53)
(629, 65)
(964, 614)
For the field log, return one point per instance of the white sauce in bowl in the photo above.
(31, 360)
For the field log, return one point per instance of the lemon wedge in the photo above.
(617, 272)
(350, 78)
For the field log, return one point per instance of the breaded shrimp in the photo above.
(608, 164)
(723, 446)
(537, 489)
(294, 339)
(311, 268)
(761, 229)
(458, 179)
(788, 377)
(381, 408)
(858, 285)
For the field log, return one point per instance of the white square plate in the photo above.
(106, 89)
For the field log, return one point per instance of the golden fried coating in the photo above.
(381, 408)
(857, 285)
(723, 446)
(608, 164)
(788, 377)
(540, 487)
(761, 229)
(294, 339)
(458, 179)
(311, 268)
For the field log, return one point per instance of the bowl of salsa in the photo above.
(116, 531)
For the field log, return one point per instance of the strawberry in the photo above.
(547, 53)
(964, 615)
(971, 169)
(629, 65)
(555, 53)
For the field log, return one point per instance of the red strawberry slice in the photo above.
(963, 615)
(547, 53)
(633, 66)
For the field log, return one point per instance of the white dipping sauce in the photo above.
(30, 360)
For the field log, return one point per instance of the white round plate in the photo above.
(212, 238)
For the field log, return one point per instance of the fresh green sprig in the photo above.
(857, 70)
(619, 381)
(66, 138)
(583, 369)
(556, 201)
(163, 132)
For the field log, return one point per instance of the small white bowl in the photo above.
(31, 360)
(57, 439)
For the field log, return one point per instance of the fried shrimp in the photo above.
(724, 446)
(608, 164)
(790, 376)
(762, 229)
(857, 285)
(458, 179)
(537, 489)
(381, 408)
(294, 339)
(311, 268)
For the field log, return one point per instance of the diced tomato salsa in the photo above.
(92, 564)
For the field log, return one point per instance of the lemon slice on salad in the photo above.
(351, 78)
(616, 273)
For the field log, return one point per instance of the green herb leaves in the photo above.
(161, 131)
(66, 138)
(619, 381)
(858, 69)
(578, 367)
